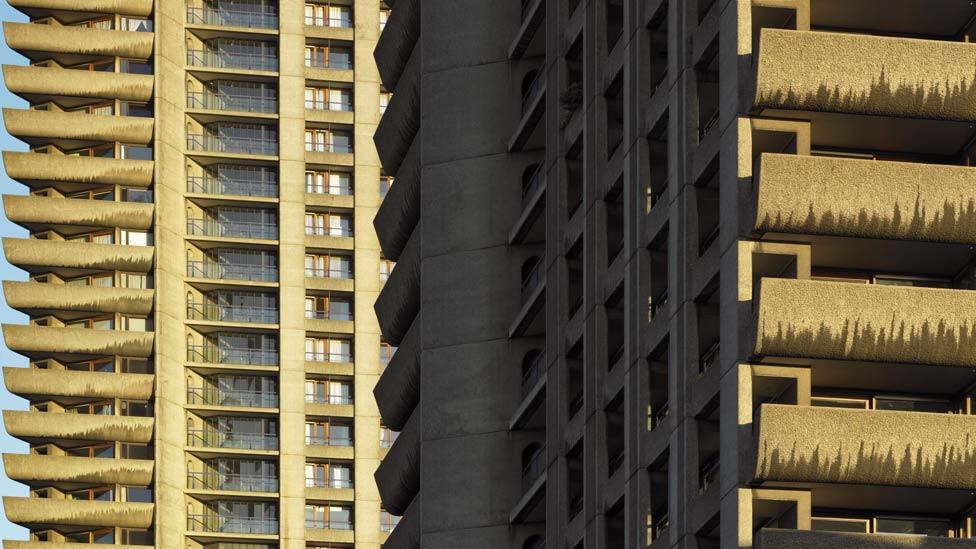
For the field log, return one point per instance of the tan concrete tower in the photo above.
(202, 344)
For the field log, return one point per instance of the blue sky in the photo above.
(7, 358)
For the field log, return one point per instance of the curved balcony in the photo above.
(831, 320)
(865, 198)
(398, 390)
(47, 425)
(29, 252)
(30, 340)
(37, 41)
(48, 384)
(397, 41)
(44, 82)
(399, 301)
(52, 125)
(774, 538)
(67, 512)
(44, 298)
(37, 469)
(878, 447)
(399, 126)
(38, 212)
(398, 475)
(43, 168)
(399, 212)
(873, 75)
(122, 7)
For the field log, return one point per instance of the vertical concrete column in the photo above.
(366, 174)
(169, 231)
(291, 258)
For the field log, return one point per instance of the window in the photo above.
(388, 522)
(328, 475)
(100, 408)
(95, 237)
(102, 365)
(328, 56)
(95, 451)
(95, 323)
(320, 15)
(134, 238)
(134, 280)
(332, 517)
(385, 98)
(104, 280)
(135, 24)
(328, 266)
(387, 437)
(328, 140)
(135, 323)
(386, 269)
(386, 181)
(386, 352)
(328, 99)
(328, 307)
(328, 224)
(103, 536)
(336, 183)
(328, 434)
(328, 349)
(384, 17)
(92, 494)
(328, 391)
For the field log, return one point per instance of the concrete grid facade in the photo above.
(679, 273)
(202, 344)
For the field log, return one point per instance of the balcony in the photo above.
(44, 340)
(39, 8)
(212, 438)
(56, 469)
(205, 142)
(230, 271)
(212, 354)
(772, 538)
(331, 440)
(48, 384)
(211, 59)
(214, 480)
(853, 446)
(831, 320)
(210, 395)
(46, 298)
(29, 252)
(865, 198)
(42, 212)
(48, 425)
(40, 83)
(215, 523)
(871, 75)
(231, 186)
(328, 524)
(231, 102)
(41, 169)
(67, 512)
(39, 41)
(265, 17)
(224, 228)
(36, 126)
(217, 312)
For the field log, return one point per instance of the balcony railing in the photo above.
(214, 480)
(335, 63)
(533, 469)
(316, 440)
(230, 102)
(315, 146)
(212, 522)
(215, 396)
(318, 230)
(232, 229)
(328, 524)
(333, 22)
(328, 399)
(206, 142)
(226, 186)
(231, 313)
(231, 355)
(266, 18)
(314, 356)
(709, 357)
(532, 280)
(317, 105)
(340, 274)
(230, 271)
(231, 60)
(210, 438)
(328, 315)
(531, 376)
(335, 483)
